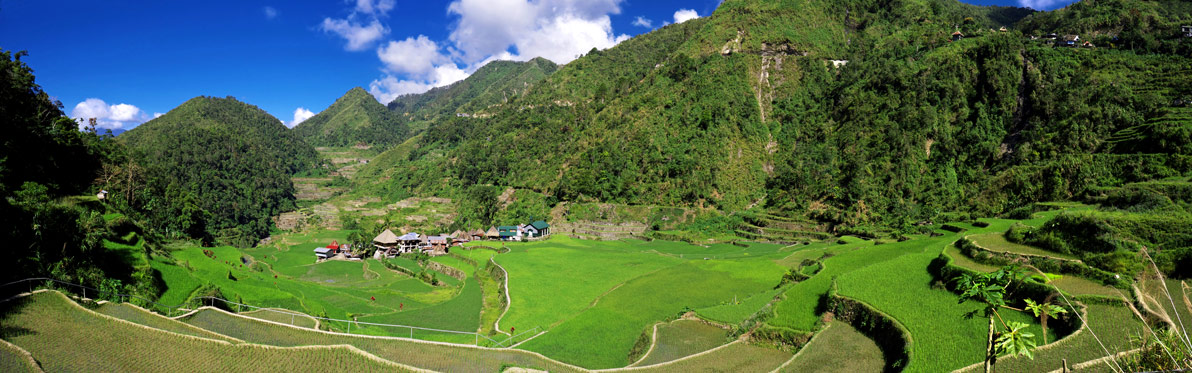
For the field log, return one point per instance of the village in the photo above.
(389, 245)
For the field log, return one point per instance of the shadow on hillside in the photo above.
(7, 309)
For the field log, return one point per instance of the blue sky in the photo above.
(125, 61)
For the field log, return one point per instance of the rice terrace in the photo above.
(597, 186)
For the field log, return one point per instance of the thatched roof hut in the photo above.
(386, 238)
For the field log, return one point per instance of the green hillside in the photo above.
(853, 114)
(1129, 24)
(214, 168)
(355, 118)
(494, 84)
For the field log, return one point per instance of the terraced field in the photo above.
(997, 242)
(577, 304)
(43, 321)
(433, 356)
(839, 348)
(680, 338)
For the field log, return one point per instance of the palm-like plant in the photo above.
(990, 290)
(1043, 311)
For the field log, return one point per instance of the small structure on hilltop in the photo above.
(103, 194)
(957, 35)
(1002, 29)
(386, 241)
(1186, 30)
(1087, 44)
(1070, 40)
(408, 242)
(492, 233)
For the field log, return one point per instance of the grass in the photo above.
(735, 313)
(997, 242)
(552, 280)
(284, 317)
(602, 335)
(14, 360)
(733, 357)
(1069, 283)
(680, 338)
(287, 277)
(839, 348)
(405, 263)
(461, 313)
(1115, 325)
(42, 322)
(437, 357)
(944, 339)
(179, 283)
(137, 315)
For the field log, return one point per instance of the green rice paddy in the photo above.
(681, 338)
(586, 303)
(839, 348)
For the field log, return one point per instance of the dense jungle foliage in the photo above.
(46, 162)
(355, 118)
(216, 169)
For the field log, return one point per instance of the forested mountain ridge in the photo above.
(495, 83)
(356, 117)
(852, 113)
(213, 168)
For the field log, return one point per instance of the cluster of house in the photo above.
(391, 245)
(1067, 40)
(333, 250)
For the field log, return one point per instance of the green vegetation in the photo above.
(140, 316)
(438, 357)
(101, 343)
(838, 348)
(731, 357)
(355, 118)
(215, 169)
(284, 317)
(681, 338)
(14, 359)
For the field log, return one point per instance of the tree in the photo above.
(990, 289)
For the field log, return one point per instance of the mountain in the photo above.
(1127, 24)
(492, 85)
(855, 114)
(214, 168)
(356, 117)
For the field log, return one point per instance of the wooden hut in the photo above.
(492, 234)
(386, 241)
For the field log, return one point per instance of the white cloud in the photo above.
(378, 7)
(415, 56)
(643, 22)
(566, 37)
(1041, 4)
(270, 12)
(490, 27)
(358, 35)
(389, 87)
(488, 30)
(158, 115)
(300, 115)
(108, 116)
(684, 15)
